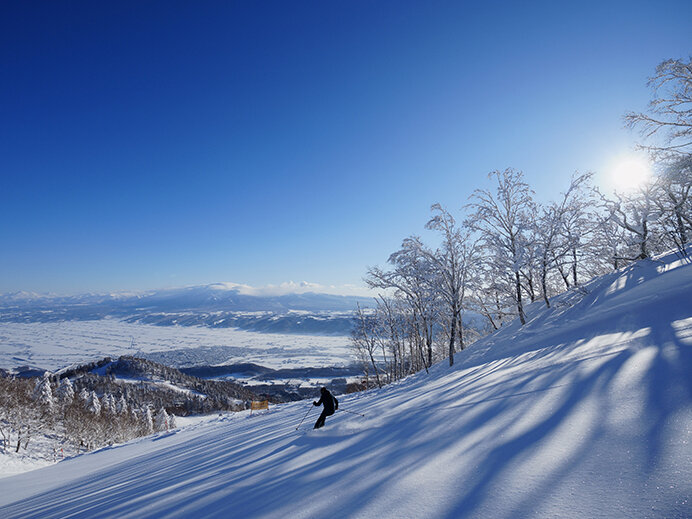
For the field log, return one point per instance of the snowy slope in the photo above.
(584, 412)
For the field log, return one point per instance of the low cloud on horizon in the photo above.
(291, 287)
(285, 288)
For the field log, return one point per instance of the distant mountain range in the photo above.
(214, 305)
(213, 297)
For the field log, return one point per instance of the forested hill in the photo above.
(585, 411)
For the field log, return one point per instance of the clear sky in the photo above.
(156, 144)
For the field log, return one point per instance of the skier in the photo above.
(331, 404)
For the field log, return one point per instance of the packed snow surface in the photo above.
(584, 412)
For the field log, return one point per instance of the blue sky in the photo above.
(155, 144)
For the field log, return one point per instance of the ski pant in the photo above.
(320, 421)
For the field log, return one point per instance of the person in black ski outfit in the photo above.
(330, 403)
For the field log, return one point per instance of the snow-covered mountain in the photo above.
(213, 297)
(584, 412)
(218, 305)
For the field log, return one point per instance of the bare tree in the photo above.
(608, 250)
(365, 341)
(559, 231)
(675, 200)
(502, 220)
(412, 277)
(636, 213)
(452, 262)
(389, 317)
(670, 111)
(579, 219)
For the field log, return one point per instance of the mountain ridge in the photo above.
(218, 305)
(213, 296)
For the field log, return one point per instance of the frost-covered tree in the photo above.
(108, 404)
(121, 406)
(489, 294)
(412, 278)
(390, 316)
(452, 263)
(147, 420)
(667, 125)
(172, 424)
(19, 413)
(578, 211)
(43, 393)
(161, 421)
(66, 392)
(675, 201)
(549, 245)
(8, 403)
(94, 404)
(609, 243)
(365, 342)
(637, 214)
(503, 220)
(529, 272)
(559, 233)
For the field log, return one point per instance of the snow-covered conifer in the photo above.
(108, 404)
(162, 420)
(147, 420)
(94, 405)
(43, 393)
(121, 406)
(66, 391)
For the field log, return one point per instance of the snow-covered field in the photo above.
(584, 412)
(58, 344)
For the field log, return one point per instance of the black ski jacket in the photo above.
(330, 403)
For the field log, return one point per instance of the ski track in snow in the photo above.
(584, 412)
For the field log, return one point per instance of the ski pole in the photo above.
(304, 417)
(347, 411)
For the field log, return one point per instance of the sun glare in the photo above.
(629, 173)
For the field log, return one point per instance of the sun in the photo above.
(629, 173)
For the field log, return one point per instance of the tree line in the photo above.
(507, 250)
(104, 403)
(73, 419)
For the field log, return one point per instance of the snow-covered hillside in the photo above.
(584, 412)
